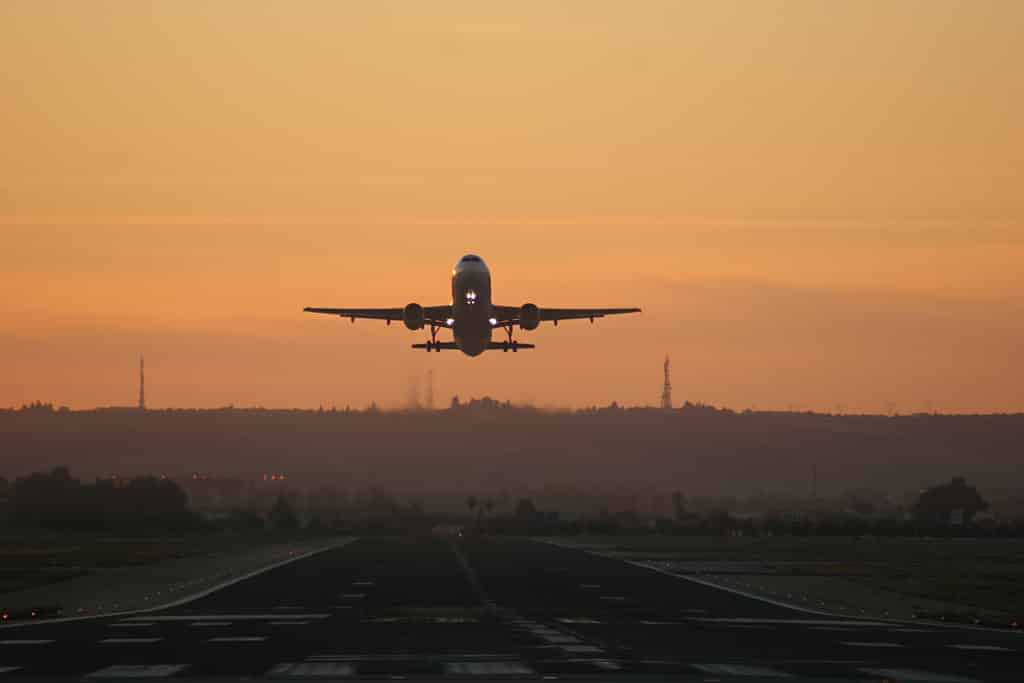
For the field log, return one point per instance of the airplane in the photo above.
(471, 316)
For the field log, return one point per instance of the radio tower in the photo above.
(142, 383)
(666, 392)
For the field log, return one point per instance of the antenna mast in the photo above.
(666, 392)
(142, 382)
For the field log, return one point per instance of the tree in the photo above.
(678, 504)
(938, 503)
(282, 514)
(525, 509)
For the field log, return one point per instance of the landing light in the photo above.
(449, 322)
(492, 321)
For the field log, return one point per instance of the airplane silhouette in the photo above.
(471, 316)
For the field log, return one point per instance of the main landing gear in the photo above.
(433, 345)
(510, 344)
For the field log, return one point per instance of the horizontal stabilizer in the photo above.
(505, 346)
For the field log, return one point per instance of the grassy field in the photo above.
(30, 561)
(983, 574)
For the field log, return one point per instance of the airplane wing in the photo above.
(432, 315)
(509, 315)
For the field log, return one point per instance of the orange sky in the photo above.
(817, 204)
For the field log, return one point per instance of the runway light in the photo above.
(449, 322)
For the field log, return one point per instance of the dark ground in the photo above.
(432, 607)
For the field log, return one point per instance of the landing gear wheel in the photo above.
(430, 346)
(504, 347)
(515, 347)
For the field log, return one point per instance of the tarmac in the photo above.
(490, 608)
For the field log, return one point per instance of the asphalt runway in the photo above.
(494, 608)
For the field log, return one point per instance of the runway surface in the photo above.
(494, 608)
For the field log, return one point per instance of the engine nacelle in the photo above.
(412, 316)
(529, 317)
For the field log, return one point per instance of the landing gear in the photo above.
(511, 343)
(432, 345)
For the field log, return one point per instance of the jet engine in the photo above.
(529, 317)
(412, 316)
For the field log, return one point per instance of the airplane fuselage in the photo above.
(471, 306)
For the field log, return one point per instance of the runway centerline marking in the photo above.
(237, 639)
(7, 669)
(983, 648)
(290, 623)
(363, 583)
(205, 624)
(868, 643)
(128, 641)
(27, 641)
(131, 624)
(352, 596)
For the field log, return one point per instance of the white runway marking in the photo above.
(606, 665)
(614, 598)
(833, 628)
(561, 639)
(313, 670)
(7, 669)
(128, 641)
(487, 668)
(590, 586)
(138, 671)
(867, 643)
(794, 622)
(290, 623)
(917, 676)
(352, 596)
(581, 649)
(579, 620)
(228, 617)
(204, 624)
(237, 639)
(131, 624)
(740, 670)
(26, 641)
(983, 648)
(363, 583)
(911, 630)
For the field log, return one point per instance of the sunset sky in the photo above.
(817, 204)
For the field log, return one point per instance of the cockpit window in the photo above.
(472, 257)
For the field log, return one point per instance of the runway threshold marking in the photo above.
(27, 641)
(312, 670)
(487, 669)
(741, 670)
(228, 617)
(129, 641)
(983, 648)
(917, 676)
(138, 671)
(290, 623)
(237, 639)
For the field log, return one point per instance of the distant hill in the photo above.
(487, 443)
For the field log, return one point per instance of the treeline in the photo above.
(58, 501)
